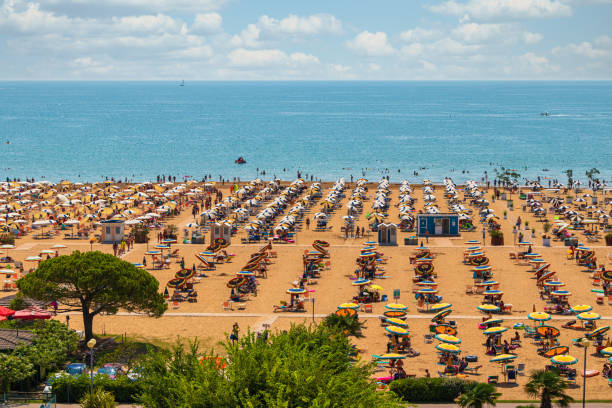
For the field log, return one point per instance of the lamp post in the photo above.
(91, 344)
(585, 343)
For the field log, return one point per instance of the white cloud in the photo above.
(249, 37)
(477, 33)
(371, 44)
(207, 23)
(452, 47)
(268, 57)
(412, 50)
(584, 49)
(418, 34)
(534, 64)
(293, 24)
(159, 23)
(373, 67)
(151, 6)
(531, 38)
(604, 40)
(341, 69)
(29, 18)
(503, 9)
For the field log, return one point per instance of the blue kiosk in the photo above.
(438, 225)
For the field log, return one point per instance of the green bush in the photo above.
(428, 390)
(99, 399)
(73, 389)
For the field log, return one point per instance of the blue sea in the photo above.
(85, 131)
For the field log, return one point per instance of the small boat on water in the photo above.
(544, 114)
(240, 160)
(182, 83)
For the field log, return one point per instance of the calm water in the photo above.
(86, 130)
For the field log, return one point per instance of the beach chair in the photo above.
(227, 305)
(493, 379)
(511, 376)
(469, 290)
(175, 304)
(367, 308)
(520, 368)
(241, 306)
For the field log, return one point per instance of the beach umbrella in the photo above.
(398, 331)
(554, 283)
(427, 291)
(353, 306)
(139, 265)
(551, 331)
(361, 282)
(184, 274)
(494, 330)
(396, 306)
(487, 308)
(447, 338)
(581, 308)
(606, 351)
(564, 359)
(538, 316)
(502, 358)
(493, 321)
(440, 306)
(561, 293)
(296, 291)
(598, 332)
(245, 273)
(33, 258)
(448, 348)
(441, 315)
(376, 287)
(589, 316)
(6, 312)
(390, 356)
(58, 246)
(394, 321)
(153, 253)
(493, 292)
(32, 313)
(426, 283)
(176, 283)
(607, 275)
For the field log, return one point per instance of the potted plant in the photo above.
(526, 225)
(569, 199)
(609, 239)
(141, 232)
(505, 215)
(497, 238)
(533, 233)
(545, 238)
(171, 231)
(7, 238)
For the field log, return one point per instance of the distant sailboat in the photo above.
(182, 83)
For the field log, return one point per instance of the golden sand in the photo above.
(334, 288)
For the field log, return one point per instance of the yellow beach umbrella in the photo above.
(494, 330)
(564, 359)
(348, 306)
(589, 316)
(398, 331)
(397, 322)
(396, 306)
(581, 308)
(447, 338)
(487, 308)
(376, 287)
(448, 348)
(606, 351)
(440, 306)
(538, 316)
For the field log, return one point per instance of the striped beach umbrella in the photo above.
(606, 351)
(448, 348)
(494, 330)
(538, 316)
(447, 338)
(394, 321)
(564, 359)
(589, 316)
(390, 356)
(503, 358)
(436, 307)
(361, 282)
(441, 315)
(296, 291)
(353, 306)
(396, 306)
(398, 331)
(487, 308)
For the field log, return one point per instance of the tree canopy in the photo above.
(547, 385)
(301, 367)
(92, 283)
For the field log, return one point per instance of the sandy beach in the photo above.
(207, 320)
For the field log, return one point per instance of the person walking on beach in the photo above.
(427, 236)
(235, 333)
(307, 223)
(484, 234)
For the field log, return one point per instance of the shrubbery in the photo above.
(423, 390)
(70, 389)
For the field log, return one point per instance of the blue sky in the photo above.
(305, 40)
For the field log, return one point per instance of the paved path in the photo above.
(274, 316)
